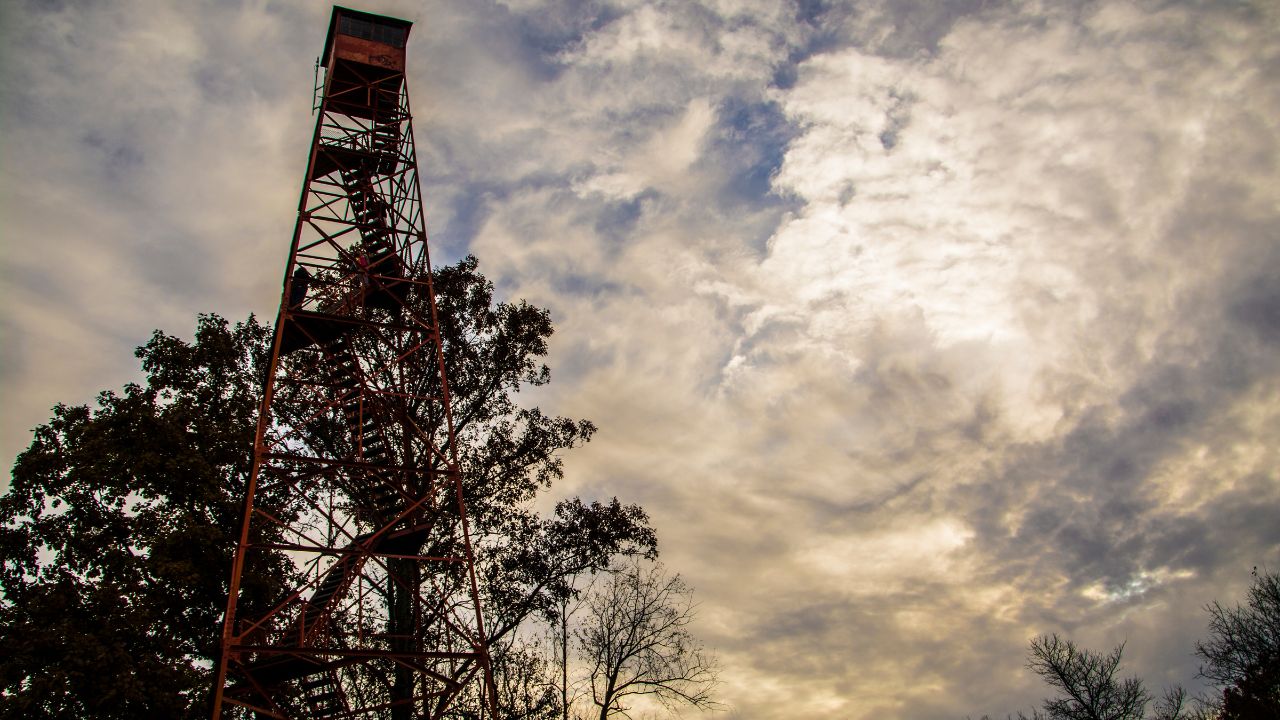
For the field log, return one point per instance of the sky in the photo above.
(918, 328)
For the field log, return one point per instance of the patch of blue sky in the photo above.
(14, 350)
(216, 83)
(118, 157)
(457, 210)
(580, 362)
(747, 147)
(1257, 302)
(810, 12)
(536, 39)
(547, 33)
(583, 285)
(635, 123)
(748, 144)
(822, 36)
(170, 267)
(455, 215)
(617, 220)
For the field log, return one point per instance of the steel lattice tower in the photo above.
(354, 589)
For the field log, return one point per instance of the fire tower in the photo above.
(354, 590)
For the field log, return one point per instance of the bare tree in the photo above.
(569, 601)
(1178, 705)
(523, 679)
(635, 639)
(1088, 682)
(1242, 654)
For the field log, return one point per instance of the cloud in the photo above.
(984, 308)
(918, 328)
(144, 164)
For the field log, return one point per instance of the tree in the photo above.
(118, 527)
(636, 641)
(559, 635)
(1242, 654)
(525, 683)
(1090, 687)
(118, 530)
(1087, 680)
(1175, 705)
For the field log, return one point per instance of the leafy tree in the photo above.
(636, 641)
(1242, 654)
(121, 521)
(118, 529)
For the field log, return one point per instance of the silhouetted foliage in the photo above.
(525, 684)
(120, 524)
(1175, 705)
(118, 532)
(1242, 653)
(1241, 656)
(1087, 681)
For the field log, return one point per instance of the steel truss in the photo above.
(356, 477)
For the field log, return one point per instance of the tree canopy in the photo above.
(118, 529)
(120, 524)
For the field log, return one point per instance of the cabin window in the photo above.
(377, 32)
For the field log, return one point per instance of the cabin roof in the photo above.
(370, 17)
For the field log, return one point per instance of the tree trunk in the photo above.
(608, 700)
(402, 632)
(564, 657)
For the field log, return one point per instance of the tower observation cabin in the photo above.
(361, 48)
